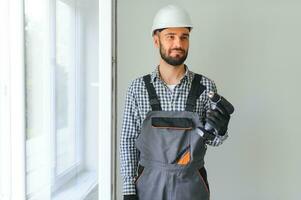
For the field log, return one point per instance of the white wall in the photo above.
(251, 49)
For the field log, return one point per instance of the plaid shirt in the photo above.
(137, 106)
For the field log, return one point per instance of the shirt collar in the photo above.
(155, 75)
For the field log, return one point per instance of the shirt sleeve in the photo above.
(128, 152)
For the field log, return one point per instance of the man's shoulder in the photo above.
(136, 81)
(136, 84)
(204, 79)
(207, 82)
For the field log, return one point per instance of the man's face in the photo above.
(173, 44)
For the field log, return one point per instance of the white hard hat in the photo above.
(171, 16)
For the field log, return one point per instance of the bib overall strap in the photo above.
(195, 91)
(153, 98)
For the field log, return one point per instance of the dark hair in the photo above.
(161, 29)
(158, 30)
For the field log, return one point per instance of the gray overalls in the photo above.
(171, 164)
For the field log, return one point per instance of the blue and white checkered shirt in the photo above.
(137, 106)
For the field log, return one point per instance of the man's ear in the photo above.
(156, 40)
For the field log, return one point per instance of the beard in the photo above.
(174, 61)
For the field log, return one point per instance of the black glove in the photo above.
(130, 197)
(219, 121)
(218, 115)
(218, 128)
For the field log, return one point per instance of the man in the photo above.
(168, 121)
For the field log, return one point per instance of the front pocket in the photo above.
(172, 123)
(184, 157)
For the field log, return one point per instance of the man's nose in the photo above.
(177, 42)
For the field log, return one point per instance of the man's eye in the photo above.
(184, 38)
(170, 37)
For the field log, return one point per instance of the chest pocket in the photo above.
(172, 123)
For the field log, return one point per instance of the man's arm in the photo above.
(128, 152)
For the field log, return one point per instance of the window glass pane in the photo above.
(36, 65)
(38, 107)
(65, 87)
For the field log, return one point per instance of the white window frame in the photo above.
(12, 85)
(16, 83)
(107, 104)
(5, 166)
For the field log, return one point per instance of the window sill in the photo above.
(77, 188)
(4, 197)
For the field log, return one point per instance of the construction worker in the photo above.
(169, 120)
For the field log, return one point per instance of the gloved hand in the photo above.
(218, 140)
(211, 138)
(130, 197)
(218, 121)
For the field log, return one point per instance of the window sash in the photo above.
(59, 178)
(50, 139)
